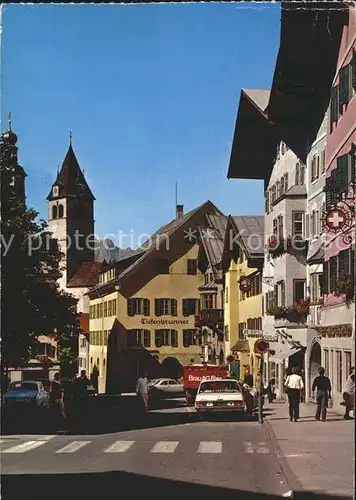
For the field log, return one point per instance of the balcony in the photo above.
(209, 318)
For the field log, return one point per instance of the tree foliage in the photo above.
(32, 303)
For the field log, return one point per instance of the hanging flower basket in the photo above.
(345, 286)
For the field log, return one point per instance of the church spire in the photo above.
(70, 178)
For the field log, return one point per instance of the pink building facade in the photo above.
(338, 312)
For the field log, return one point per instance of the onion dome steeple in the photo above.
(13, 175)
(9, 137)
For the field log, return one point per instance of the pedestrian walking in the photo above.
(293, 386)
(248, 379)
(81, 385)
(322, 385)
(142, 391)
(348, 394)
(271, 390)
(57, 399)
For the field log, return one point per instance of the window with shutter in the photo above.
(306, 226)
(146, 307)
(114, 307)
(267, 202)
(297, 173)
(174, 338)
(322, 161)
(286, 182)
(344, 264)
(313, 169)
(332, 273)
(159, 338)
(352, 163)
(174, 311)
(130, 307)
(157, 307)
(334, 104)
(302, 175)
(147, 338)
(326, 281)
(342, 173)
(192, 267)
(344, 86)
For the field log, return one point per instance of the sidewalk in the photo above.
(316, 456)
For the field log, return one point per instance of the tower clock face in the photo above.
(80, 190)
(55, 191)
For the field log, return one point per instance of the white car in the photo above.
(165, 387)
(219, 396)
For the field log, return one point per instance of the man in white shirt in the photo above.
(349, 394)
(293, 386)
(142, 390)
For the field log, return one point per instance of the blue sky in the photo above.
(150, 93)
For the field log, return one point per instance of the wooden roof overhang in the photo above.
(254, 144)
(254, 260)
(306, 65)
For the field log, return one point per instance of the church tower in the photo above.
(12, 174)
(71, 215)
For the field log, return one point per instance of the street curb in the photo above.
(292, 481)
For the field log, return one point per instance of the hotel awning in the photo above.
(306, 66)
(284, 353)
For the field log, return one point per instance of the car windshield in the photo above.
(23, 386)
(217, 386)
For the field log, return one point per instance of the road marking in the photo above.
(248, 447)
(46, 438)
(165, 447)
(259, 448)
(119, 447)
(210, 447)
(22, 448)
(73, 447)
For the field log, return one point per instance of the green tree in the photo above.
(32, 303)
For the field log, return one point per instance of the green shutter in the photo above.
(157, 308)
(146, 307)
(174, 311)
(130, 307)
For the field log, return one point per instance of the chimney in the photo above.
(179, 212)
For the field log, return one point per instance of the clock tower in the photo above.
(71, 215)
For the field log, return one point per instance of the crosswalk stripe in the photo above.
(165, 447)
(119, 447)
(210, 447)
(73, 447)
(22, 448)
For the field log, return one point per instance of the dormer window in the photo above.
(55, 191)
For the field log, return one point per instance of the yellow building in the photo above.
(142, 313)
(242, 266)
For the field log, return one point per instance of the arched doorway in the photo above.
(172, 368)
(314, 362)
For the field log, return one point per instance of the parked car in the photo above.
(222, 395)
(26, 395)
(165, 387)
